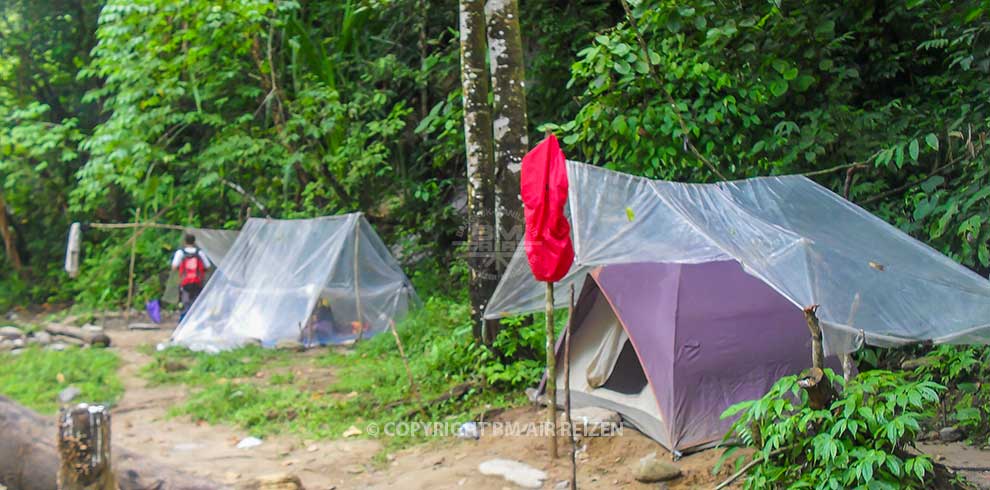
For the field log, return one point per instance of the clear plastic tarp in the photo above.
(874, 283)
(216, 244)
(318, 281)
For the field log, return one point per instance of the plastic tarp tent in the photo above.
(874, 283)
(323, 280)
(216, 244)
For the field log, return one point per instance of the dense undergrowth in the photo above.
(34, 377)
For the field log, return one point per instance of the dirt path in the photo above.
(141, 424)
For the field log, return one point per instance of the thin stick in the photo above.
(847, 359)
(551, 375)
(567, 387)
(130, 273)
(113, 226)
(746, 468)
(405, 361)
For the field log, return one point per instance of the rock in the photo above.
(514, 471)
(69, 394)
(352, 431)
(174, 366)
(928, 436)
(89, 327)
(253, 341)
(11, 333)
(912, 364)
(249, 442)
(562, 485)
(43, 337)
(468, 430)
(355, 469)
(652, 469)
(6, 345)
(593, 421)
(281, 481)
(950, 434)
(289, 344)
(19, 343)
(57, 346)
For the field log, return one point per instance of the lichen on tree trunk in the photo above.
(480, 163)
(509, 127)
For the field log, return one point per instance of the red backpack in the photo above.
(191, 269)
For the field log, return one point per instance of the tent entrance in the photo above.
(627, 376)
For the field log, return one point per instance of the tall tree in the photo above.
(509, 126)
(10, 248)
(480, 162)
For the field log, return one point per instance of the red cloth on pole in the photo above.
(543, 186)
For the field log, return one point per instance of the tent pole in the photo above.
(551, 375)
(357, 280)
(567, 387)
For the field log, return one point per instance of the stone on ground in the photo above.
(281, 481)
(514, 471)
(43, 337)
(950, 434)
(69, 394)
(10, 333)
(653, 469)
(592, 421)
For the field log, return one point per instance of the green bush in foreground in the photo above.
(858, 442)
(35, 376)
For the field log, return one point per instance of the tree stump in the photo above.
(84, 448)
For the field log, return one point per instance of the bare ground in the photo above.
(141, 424)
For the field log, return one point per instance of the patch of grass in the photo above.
(180, 365)
(368, 385)
(36, 376)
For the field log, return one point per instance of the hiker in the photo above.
(192, 263)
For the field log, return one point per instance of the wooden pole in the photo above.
(567, 387)
(130, 273)
(847, 359)
(818, 386)
(405, 362)
(551, 375)
(84, 448)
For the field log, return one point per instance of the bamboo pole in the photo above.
(567, 387)
(551, 387)
(405, 361)
(130, 272)
(84, 449)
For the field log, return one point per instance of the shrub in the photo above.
(857, 442)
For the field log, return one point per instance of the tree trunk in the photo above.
(480, 163)
(509, 127)
(9, 246)
(29, 459)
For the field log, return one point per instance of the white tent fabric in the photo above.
(216, 244)
(874, 283)
(314, 280)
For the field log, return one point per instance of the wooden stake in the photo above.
(551, 375)
(567, 387)
(84, 448)
(130, 274)
(847, 359)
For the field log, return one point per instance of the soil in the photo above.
(141, 423)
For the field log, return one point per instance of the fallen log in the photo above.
(90, 337)
(29, 458)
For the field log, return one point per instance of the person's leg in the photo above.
(185, 300)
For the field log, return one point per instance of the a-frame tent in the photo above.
(322, 280)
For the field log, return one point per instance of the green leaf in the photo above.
(778, 88)
(932, 183)
(630, 215)
(984, 255)
(913, 149)
(790, 74)
(932, 141)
